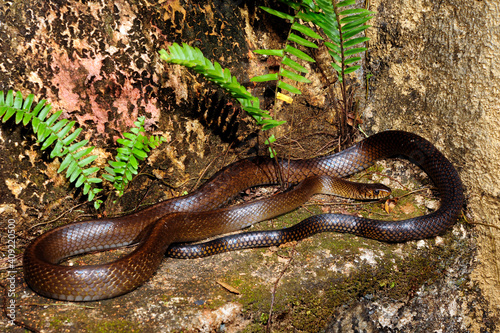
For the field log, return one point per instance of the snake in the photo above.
(199, 216)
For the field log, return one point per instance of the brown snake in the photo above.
(194, 217)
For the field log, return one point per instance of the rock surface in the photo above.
(435, 72)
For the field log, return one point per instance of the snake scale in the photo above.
(196, 216)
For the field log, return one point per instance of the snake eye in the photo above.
(376, 192)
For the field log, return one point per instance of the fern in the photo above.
(194, 59)
(49, 131)
(290, 68)
(135, 146)
(345, 46)
(341, 28)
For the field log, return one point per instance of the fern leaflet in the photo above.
(135, 146)
(49, 131)
(290, 68)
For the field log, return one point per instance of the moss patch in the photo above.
(116, 325)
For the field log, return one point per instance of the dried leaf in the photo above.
(353, 119)
(389, 205)
(228, 287)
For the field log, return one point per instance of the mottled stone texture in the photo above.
(435, 72)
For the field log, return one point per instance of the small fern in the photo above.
(194, 59)
(75, 156)
(340, 27)
(346, 45)
(290, 68)
(49, 131)
(343, 26)
(135, 146)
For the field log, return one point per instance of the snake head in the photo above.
(377, 191)
(363, 191)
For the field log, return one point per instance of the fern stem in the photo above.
(342, 109)
(342, 55)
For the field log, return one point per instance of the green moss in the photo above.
(216, 303)
(256, 295)
(79, 320)
(117, 325)
(57, 323)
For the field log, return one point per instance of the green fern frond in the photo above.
(290, 68)
(194, 59)
(340, 25)
(345, 46)
(49, 131)
(135, 147)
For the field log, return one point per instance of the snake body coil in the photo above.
(195, 217)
